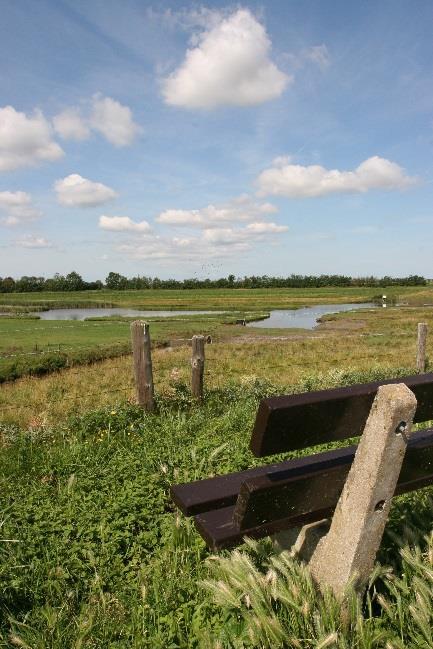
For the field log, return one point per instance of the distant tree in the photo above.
(116, 282)
(8, 285)
(74, 282)
(29, 284)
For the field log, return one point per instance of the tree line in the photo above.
(114, 281)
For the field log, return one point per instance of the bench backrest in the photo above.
(303, 420)
(263, 500)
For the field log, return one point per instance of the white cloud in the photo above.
(319, 55)
(226, 236)
(242, 208)
(25, 141)
(104, 115)
(252, 232)
(114, 121)
(296, 181)
(17, 207)
(122, 224)
(188, 18)
(76, 191)
(266, 228)
(32, 241)
(70, 125)
(212, 243)
(230, 66)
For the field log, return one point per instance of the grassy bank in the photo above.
(93, 554)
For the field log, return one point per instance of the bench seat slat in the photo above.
(226, 527)
(213, 493)
(298, 421)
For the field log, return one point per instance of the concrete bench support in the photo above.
(347, 553)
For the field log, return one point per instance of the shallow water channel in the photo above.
(82, 314)
(305, 318)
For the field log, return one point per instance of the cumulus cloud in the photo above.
(70, 125)
(211, 243)
(114, 121)
(296, 181)
(175, 250)
(122, 224)
(102, 114)
(242, 208)
(228, 66)
(253, 231)
(266, 228)
(17, 208)
(76, 191)
(32, 241)
(25, 141)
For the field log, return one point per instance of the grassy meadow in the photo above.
(365, 340)
(92, 551)
(37, 347)
(211, 299)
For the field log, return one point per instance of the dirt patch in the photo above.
(323, 329)
(341, 324)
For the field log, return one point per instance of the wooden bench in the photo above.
(275, 497)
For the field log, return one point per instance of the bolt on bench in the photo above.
(265, 500)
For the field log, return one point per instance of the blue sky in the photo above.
(185, 139)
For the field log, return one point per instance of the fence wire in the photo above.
(216, 371)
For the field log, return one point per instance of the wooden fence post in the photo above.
(421, 345)
(140, 338)
(197, 364)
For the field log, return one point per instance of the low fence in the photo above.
(141, 349)
(142, 383)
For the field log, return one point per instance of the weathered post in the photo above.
(347, 553)
(140, 337)
(421, 347)
(197, 364)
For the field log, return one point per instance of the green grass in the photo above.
(92, 553)
(37, 347)
(42, 346)
(358, 340)
(213, 299)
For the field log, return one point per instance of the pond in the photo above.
(305, 318)
(81, 314)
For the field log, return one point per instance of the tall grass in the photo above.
(272, 602)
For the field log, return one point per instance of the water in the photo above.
(305, 318)
(81, 314)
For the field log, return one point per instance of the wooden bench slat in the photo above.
(303, 420)
(224, 527)
(213, 493)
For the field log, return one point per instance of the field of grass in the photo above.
(359, 340)
(92, 553)
(214, 299)
(36, 347)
